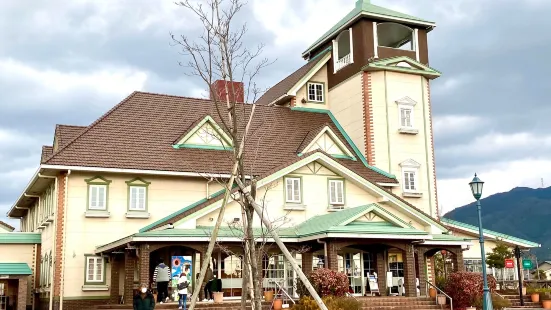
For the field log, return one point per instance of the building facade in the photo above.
(342, 154)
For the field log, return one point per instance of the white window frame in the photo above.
(315, 84)
(87, 269)
(336, 51)
(413, 171)
(406, 108)
(333, 201)
(90, 189)
(293, 179)
(138, 188)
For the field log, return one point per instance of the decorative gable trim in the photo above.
(382, 213)
(223, 139)
(410, 163)
(406, 101)
(293, 91)
(327, 130)
(402, 64)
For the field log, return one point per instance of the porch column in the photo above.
(422, 267)
(129, 265)
(380, 261)
(409, 271)
(459, 264)
(332, 259)
(307, 258)
(116, 264)
(22, 294)
(143, 263)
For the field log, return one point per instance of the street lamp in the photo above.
(476, 187)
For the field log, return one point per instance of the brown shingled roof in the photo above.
(8, 226)
(65, 133)
(47, 151)
(139, 132)
(287, 83)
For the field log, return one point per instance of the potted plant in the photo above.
(432, 292)
(268, 295)
(535, 296)
(546, 301)
(218, 297)
(278, 303)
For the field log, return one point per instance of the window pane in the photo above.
(101, 197)
(296, 189)
(90, 273)
(289, 189)
(93, 197)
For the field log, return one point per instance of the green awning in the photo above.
(20, 238)
(15, 269)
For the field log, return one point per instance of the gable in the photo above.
(402, 64)
(326, 140)
(207, 134)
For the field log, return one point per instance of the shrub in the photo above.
(332, 303)
(498, 302)
(465, 287)
(329, 283)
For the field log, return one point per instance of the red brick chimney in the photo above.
(238, 89)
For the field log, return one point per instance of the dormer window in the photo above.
(315, 92)
(343, 50)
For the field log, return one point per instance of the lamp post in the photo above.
(476, 187)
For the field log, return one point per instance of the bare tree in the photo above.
(219, 54)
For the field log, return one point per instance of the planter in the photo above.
(432, 292)
(441, 300)
(535, 297)
(524, 291)
(218, 297)
(278, 304)
(546, 304)
(268, 296)
(471, 308)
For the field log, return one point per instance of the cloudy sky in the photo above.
(67, 62)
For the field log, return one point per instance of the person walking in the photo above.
(144, 300)
(162, 276)
(209, 275)
(183, 285)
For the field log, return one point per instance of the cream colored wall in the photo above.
(316, 203)
(347, 107)
(165, 196)
(17, 253)
(320, 77)
(474, 249)
(391, 147)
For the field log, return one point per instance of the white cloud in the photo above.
(50, 84)
(455, 124)
(493, 143)
(453, 193)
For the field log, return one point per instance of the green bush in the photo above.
(497, 301)
(332, 303)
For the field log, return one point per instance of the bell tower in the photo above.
(379, 91)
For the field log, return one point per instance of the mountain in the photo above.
(522, 212)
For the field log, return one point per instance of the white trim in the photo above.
(411, 114)
(86, 269)
(436, 242)
(351, 46)
(93, 288)
(137, 207)
(112, 245)
(476, 232)
(293, 91)
(416, 43)
(206, 238)
(333, 136)
(31, 182)
(286, 191)
(410, 163)
(379, 214)
(406, 101)
(389, 184)
(335, 196)
(377, 16)
(366, 236)
(375, 40)
(415, 188)
(97, 207)
(315, 92)
(136, 171)
(335, 55)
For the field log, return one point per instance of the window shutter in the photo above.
(289, 189)
(296, 189)
(336, 192)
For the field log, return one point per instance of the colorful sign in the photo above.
(509, 263)
(181, 264)
(527, 264)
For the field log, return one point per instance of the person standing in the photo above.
(162, 276)
(183, 285)
(209, 275)
(144, 300)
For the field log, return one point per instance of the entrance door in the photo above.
(3, 295)
(357, 265)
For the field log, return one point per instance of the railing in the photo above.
(441, 292)
(343, 62)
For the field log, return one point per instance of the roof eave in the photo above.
(428, 75)
(429, 26)
(14, 207)
(526, 244)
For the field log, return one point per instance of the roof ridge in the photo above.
(74, 126)
(97, 121)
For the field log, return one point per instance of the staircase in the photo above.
(399, 303)
(528, 304)
(369, 303)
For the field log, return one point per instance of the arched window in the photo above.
(395, 35)
(343, 50)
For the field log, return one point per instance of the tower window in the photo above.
(395, 35)
(410, 178)
(343, 50)
(405, 117)
(315, 92)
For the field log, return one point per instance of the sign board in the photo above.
(509, 263)
(373, 285)
(389, 279)
(527, 264)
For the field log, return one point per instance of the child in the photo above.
(144, 300)
(182, 291)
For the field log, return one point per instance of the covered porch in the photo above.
(14, 286)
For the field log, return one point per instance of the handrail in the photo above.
(350, 295)
(442, 292)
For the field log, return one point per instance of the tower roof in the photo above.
(367, 9)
